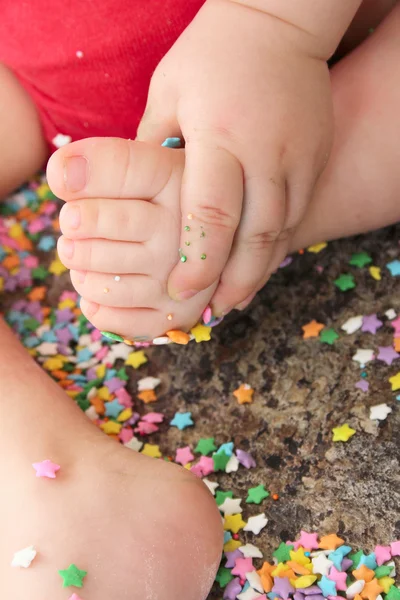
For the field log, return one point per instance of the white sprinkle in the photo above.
(390, 314)
(79, 54)
(23, 558)
(61, 140)
(117, 278)
(379, 412)
(352, 324)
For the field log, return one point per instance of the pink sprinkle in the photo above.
(49, 208)
(125, 435)
(124, 398)
(102, 353)
(395, 548)
(36, 226)
(46, 468)
(31, 261)
(153, 417)
(207, 315)
(96, 335)
(74, 597)
(144, 428)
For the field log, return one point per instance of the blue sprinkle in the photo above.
(172, 142)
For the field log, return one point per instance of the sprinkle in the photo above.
(106, 290)
(379, 412)
(117, 278)
(186, 228)
(23, 558)
(312, 329)
(394, 267)
(316, 248)
(201, 333)
(203, 256)
(256, 524)
(256, 495)
(172, 142)
(244, 394)
(72, 576)
(169, 317)
(112, 336)
(352, 324)
(345, 282)
(360, 260)
(46, 468)
(61, 140)
(342, 433)
(136, 359)
(183, 258)
(182, 420)
(190, 216)
(328, 336)
(179, 337)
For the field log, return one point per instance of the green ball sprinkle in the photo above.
(203, 256)
(187, 228)
(187, 243)
(183, 258)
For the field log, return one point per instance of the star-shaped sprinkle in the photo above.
(283, 588)
(330, 542)
(309, 541)
(312, 329)
(382, 554)
(395, 548)
(250, 594)
(221, 460)
(256, 523)
(282, 553)
(316, 248)
(206, 446)
(23, 558)
(345, 282)
(379, 412)
(342, 433)
(339, 577)
(134, 444)
(244, 394)
(355, 589)
(212, 485)
(395, 381)
(250, 551)
(221, 496)
(394, 593)
(223, 576)
(299, 557)
(201, 333)
(231, 506)
(113, 408)
(362, 385)
(371, 590)
(364, 356)
(151, 450)
(371, 324)
(148, 383)
(321, 564)
(72, 576)
(256, 495)
(254, 580)
(352, 324)
(184, 455)
(46, 468)
(360, 260)
(136, 359)
(234, 523)
(394, 267)
(375, 272)
(327, 586)
(182, 420)
(387, 354)
(233, 464)
(328, 336)
(245, 459)
(243, 566)
(232, 589)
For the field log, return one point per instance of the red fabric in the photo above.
(103, 93)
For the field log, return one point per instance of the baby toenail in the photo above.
(67, 247)
(71, 216)
(186, 295)
(80, 275)
(75, 173)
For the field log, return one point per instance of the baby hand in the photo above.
(253, 104)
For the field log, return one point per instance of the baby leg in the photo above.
(23, 149)
(360, 188)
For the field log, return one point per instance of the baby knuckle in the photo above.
(213, 215)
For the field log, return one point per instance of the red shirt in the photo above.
(87, 64)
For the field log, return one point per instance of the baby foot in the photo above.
(121, 231)
(141, 528)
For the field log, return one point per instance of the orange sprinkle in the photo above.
(11, 261)
(98, 404)
(397, 344)
(38, 293)
(179, 337)
(275, 496)
(59, 374)
(147, 396)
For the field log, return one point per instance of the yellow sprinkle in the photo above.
(342, 433)
(68, 303)
(151, 450)
(72, 393)
(375, 272)
(280, 568)
(386, 583)
(16, 231)
(304, 581)
(234, 523)
(56, 267)
(43, 191)
(106, 290)
(111, 427)
(136, 359)
(317, 247)
(53, 364)
(125, 415)
(232, 545)
(104, 393)
(100, 371)
(201, 333)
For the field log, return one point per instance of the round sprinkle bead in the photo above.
(203, 256)
(117, 278)
(106, 290)
(169, 317)
(183, 258)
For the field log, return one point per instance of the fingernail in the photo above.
(246, 302)
(186, 295)
(67, 247)
(81, 275)
(75, 173)
(71, 216)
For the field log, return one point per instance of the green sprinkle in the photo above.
(203, 256)
(187, 228)
(187, 243)
(203, 234)
(183, 258)
(112, 336)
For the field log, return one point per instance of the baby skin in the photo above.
(121, 221)
(141, 528)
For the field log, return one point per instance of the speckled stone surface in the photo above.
(302, 389)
